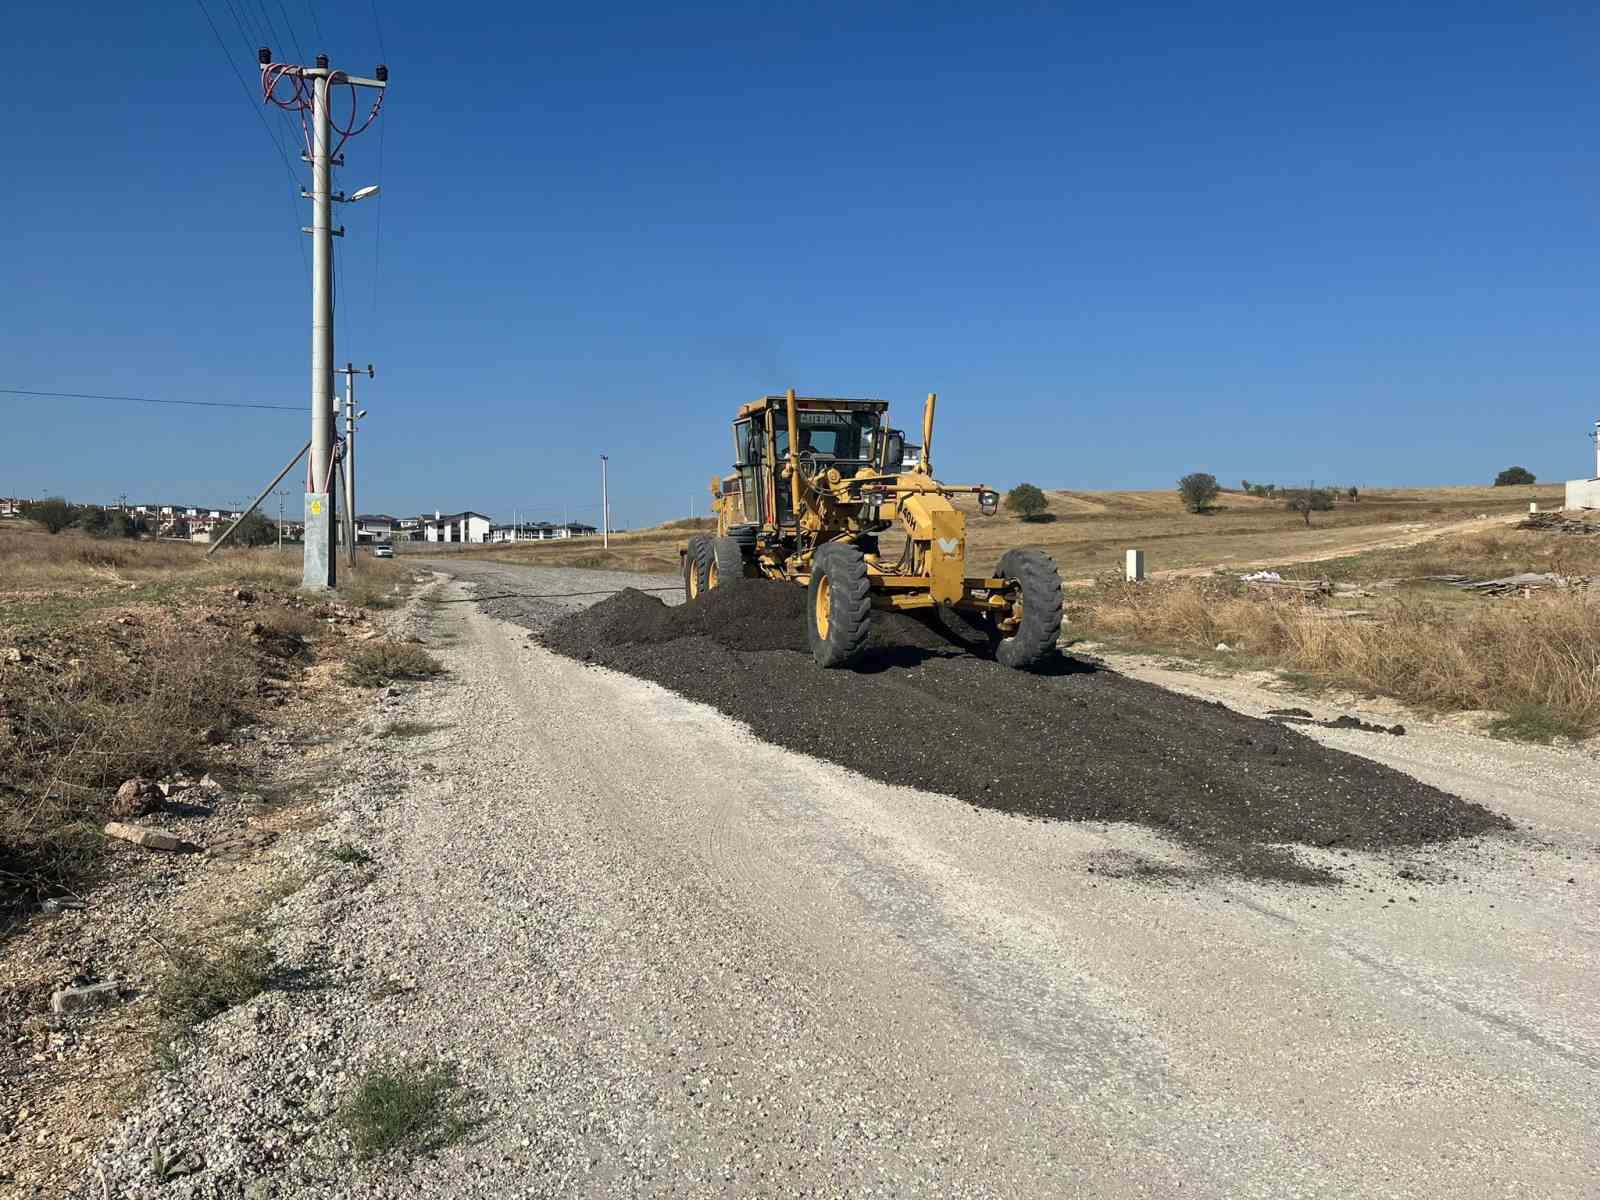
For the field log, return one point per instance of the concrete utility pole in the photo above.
(605, 507)
(280, 494)
(350, 416)
(321, 563)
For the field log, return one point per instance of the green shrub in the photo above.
(254, 530)
(414, 1106)
(1514, 475)
(1027, 502)
(1198, 491)
(383, 662)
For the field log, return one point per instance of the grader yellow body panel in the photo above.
(816, 482)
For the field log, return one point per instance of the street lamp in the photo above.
(605, 507)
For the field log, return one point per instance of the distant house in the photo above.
(407, 529)
(374, 527)
(456, 527)
(11, 506)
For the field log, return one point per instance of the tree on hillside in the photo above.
(1514, 475)
(1244, 486)
(55, 514)
(1026, 501)
(1198, 491)
(1309, 500)
(1352, 493)
(253, 531)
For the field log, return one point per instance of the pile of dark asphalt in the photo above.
(1073, 741)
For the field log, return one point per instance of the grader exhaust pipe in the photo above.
(794, 469)
(926, 466)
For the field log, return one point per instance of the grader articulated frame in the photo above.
(816, 481)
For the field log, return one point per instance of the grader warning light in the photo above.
(817, 483)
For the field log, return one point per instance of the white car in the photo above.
(383, 551)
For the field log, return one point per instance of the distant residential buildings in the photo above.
(539, 531)
(200, 523)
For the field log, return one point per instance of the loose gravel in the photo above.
(1072, 741)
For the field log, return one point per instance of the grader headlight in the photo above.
(988, 503)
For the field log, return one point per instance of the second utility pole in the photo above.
(349, 372)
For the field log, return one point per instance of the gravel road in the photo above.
(673, 960)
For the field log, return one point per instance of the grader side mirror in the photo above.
(894, 452)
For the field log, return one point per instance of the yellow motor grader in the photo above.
(816, 481)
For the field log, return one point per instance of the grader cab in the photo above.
(818, 482)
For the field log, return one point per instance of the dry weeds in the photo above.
(1456, 653)
(71, 731)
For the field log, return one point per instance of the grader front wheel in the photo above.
(1036, 610)
(839, 605)
(727, 563)
(696, 567)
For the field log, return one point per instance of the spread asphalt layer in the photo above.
(925, 708)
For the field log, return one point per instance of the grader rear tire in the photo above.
(696, 563)
(727, 562)
(1036, 634)
(839, 605)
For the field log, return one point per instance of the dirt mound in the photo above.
(1072, 742)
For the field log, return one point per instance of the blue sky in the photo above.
(1123, 242)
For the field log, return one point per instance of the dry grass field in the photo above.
(1088, 532)
(1395, 629)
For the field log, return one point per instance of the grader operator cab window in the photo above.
(843, 437)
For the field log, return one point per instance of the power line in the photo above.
(255, 107)
(315, 24)
(151, 400)
(377, 235)
(249, 98)
(294, 35)
(378, 25)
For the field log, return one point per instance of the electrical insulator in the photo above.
(383, 72)
(264, 55)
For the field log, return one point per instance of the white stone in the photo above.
(71, 999)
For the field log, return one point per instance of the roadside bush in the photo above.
(417, 1106)
(1514, 475)
(55, 514)
(384, 662)
(1027, 502)
(1198, 490)
(202, 981)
